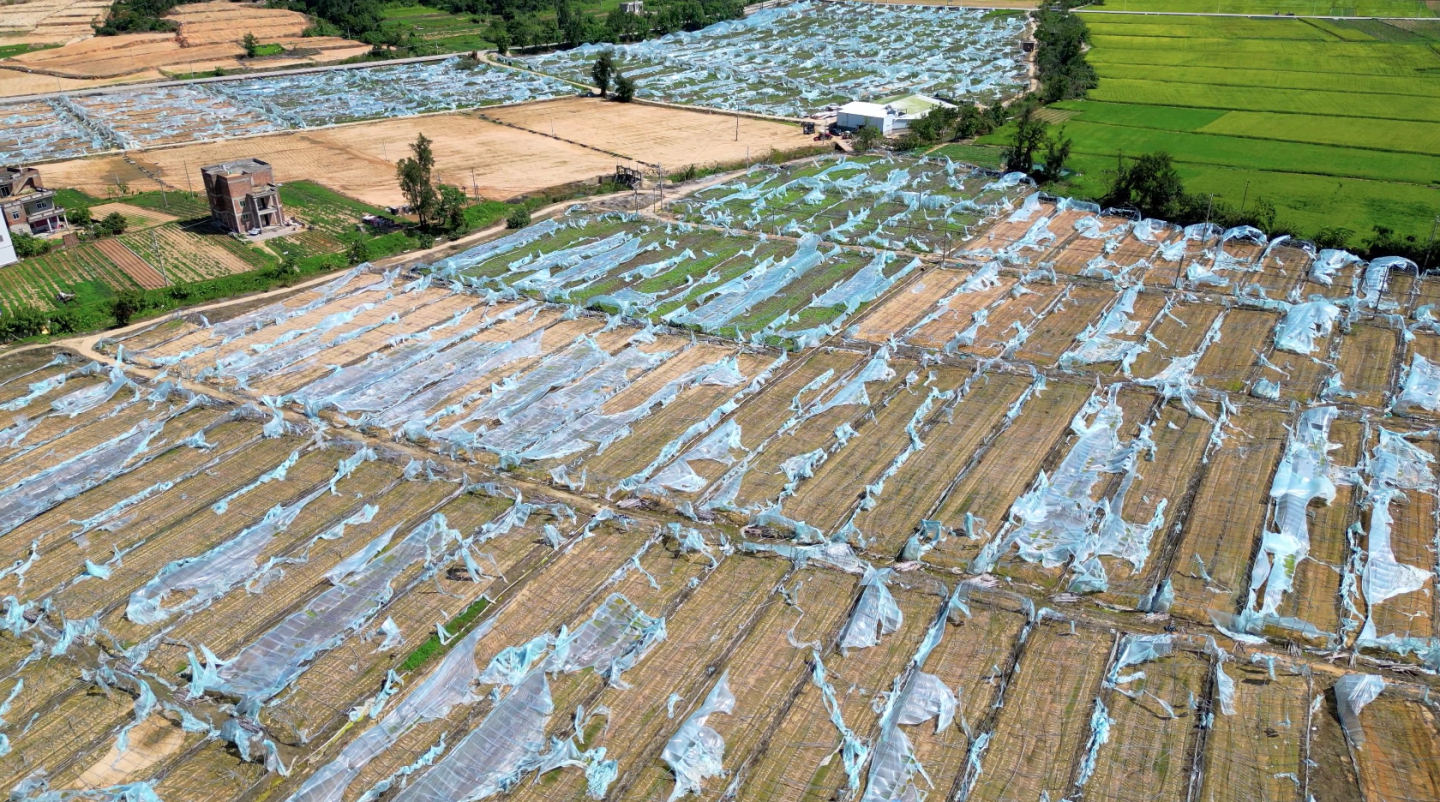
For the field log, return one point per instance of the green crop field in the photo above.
(1337, 122)
(1345, 8)
(446, 32)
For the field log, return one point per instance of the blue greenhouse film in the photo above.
(796, 59)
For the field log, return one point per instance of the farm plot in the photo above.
(1010, 321)
(1391, 737)
(976, 505)
(1245, 337)
(797, 59)
(1212, 560)
(1043, 725)
(1367, 361)
(951, 436)
(148, 117)
(926, 205)
(801, 760)
(1258, 746)
(82, 269)
(194, 252)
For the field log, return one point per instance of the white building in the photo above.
(7, 248)
(890, 117)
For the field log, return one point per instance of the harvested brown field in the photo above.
(51, 21)
(208, 37)
(671, 137)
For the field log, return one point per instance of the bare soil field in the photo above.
(671, 137)
(209, 36)
(50, 21)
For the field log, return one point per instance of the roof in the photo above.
(238, 166)
(917, 104)
(909, 107)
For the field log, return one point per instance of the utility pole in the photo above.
(1208, 208)
(474, 185)
(1245, 197)
(155, 244)
(184, 165)
(737, 126)
(1430, 248)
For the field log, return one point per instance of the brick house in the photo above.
(28, 207)
(243, 195)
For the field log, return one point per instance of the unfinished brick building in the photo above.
(27, 206)
(243, 195)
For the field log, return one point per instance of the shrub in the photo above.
(519, 217)
(27, 246)
(624, 88)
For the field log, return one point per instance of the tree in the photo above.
(111, 225)
(519, 217)
(1060, 60)
(1057, 152)
(416, 180)
(499, 33)
(1150, 184)
(126, 305)
(1337, 237)
(451, 211)
(79, 216)
(571, 23)
(867, 137)
(27, 246)
(601, 72)
(1030, 134)
(251, 45)
(358, 252)
(624, 88)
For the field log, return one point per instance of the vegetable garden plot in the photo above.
(1043, 725)
(974, 509)
(855, 476)
(1055, 333)
(1153, 709)
(149, 116)
(1392, 737)
(1227, 516)
(1244, 338)
(924, 205)
(1166, 475)
(764, 672)
(797, 59)
(735, 593)
(960, 308)
(806, 757)
(952, 433)
(975, 654)
(1367, 359)
(1257, 748)
(1010, 321)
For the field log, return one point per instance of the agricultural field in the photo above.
(1331, 120)
(1033, 501)
(796, 59)
(65, 127)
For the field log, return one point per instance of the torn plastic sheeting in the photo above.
(291, 346)
(448, 267)
(1303, 323)
(40, 491)
(876, 613)
(266, 666)
(1352, 693)
(1329, 263)
(555, 287)
(1302, 476)
(1420, 387)
(415, 408)
(737, 296)
(849, 391)
(832, 553)
(493, 757)
(36, 788)
(1377, 277)
(1225, 689)
(716, 447)
(1097, 343)
(88, 398)
(695, 753)
(1058, 521)
(507, 399)
(868, 283)
(276, 474)
(893, 764)
(1394, 467)
(42, 388)
(601, 430)
(1177, 380)
(448, 686)
(611, 641)
(562, 406)
(212, 574)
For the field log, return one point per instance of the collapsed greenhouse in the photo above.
(985, 495)
(66, 126)
(794, 60)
